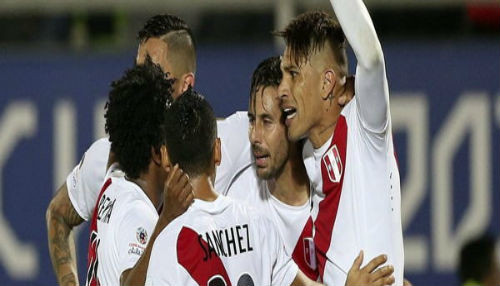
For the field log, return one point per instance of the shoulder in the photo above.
(98, 151)
(350, 108)
(101, 146)
(235, 121)
(132, 205)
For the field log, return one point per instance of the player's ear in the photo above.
(329, 81)
(156, 156)
(187, 81)
(217, 152)
(165, 159)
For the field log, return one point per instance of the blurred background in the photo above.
(58, 57)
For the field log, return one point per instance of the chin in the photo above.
(263, 174)
(294, 136)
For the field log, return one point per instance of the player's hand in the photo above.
(370, 275)
(177, 194)
(348, 95)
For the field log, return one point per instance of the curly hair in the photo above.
(191, 131)
(135, 116)
(308, 33)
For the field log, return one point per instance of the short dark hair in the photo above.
(135, 116)
(267, 73)
(308, 33)
(476, 258)
(191, 131)
(177, 34)
(160, 25)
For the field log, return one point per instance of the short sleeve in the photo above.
(284, 268)
(235, 149)
(162, 263)
(85, 181)
(133, 233)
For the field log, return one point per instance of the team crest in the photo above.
(333, 164)
(142, 235)
(309, 252)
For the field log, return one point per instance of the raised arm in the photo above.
(372, 93)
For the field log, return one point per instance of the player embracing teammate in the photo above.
(348, 155)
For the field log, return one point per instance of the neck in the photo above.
(291, 186)
(328, 121)
(203, 188)
(150, 188)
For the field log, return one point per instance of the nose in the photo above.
(283, 89)
(255, 134)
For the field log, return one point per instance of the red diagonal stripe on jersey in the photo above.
(328, 207)
(92, 250)
(301, 254)
(190, 256)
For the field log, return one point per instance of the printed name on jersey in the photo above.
(105, 208)
(221, 242)
(333, 164)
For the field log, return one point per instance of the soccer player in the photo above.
(349, 154)
(126, 218)
(168, 41)
(218, 241)
(276, 174)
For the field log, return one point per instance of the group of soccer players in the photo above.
(296, 190)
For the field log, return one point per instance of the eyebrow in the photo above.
(266, 115)
(289, 67)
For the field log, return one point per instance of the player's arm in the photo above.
(178, 196)
(372, 91)
(72, 204)
(61, 217)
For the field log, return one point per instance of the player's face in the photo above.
(267, 133)
(157, 49)
(300, 96)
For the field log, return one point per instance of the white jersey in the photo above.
(220, 243)
(122, 222)
(86, 179)
(357, 198)
(294, 223)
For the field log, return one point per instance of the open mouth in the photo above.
(289, 113)
(260, 160)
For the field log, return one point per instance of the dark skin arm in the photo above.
(177, 197)
(61, 217)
